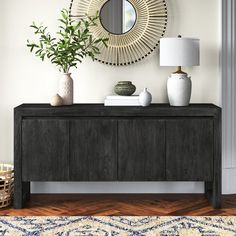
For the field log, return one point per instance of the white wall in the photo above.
(24, 78)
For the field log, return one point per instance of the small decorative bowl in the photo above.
(125, 88)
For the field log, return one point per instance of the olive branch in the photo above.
(74, 42)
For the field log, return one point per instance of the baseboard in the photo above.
(117, 187)
(229, 181)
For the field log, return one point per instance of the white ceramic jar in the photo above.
(179, 88)
(145, 98)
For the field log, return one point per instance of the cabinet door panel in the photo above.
(141, 150)
(93, 151)
(45, 149)
(189, 149)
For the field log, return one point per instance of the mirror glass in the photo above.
(118, 16)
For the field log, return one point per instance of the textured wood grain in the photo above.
(93, 150)
(95, 110)
(141, 148)
(45, 150)
(21, 189)
(189, 149)
(82, 142)
(123, 205)
(217, 179)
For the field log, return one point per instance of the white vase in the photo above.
(179, 88)
(66, 89)
(145, 98)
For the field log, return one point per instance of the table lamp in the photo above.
(179, 52)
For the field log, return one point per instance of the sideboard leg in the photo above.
(18, 195)
(20, 188)
(26, 191)
(21, 194)
(216, 185)
(208, 188)
(216, 195)
(213, 193)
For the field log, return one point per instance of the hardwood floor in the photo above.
(121, 205)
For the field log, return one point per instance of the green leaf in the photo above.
(74, 41)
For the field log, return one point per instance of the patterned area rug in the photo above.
(124, 226)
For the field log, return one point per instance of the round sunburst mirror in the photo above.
(134, 27)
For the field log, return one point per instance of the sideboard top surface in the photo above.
(101, 110)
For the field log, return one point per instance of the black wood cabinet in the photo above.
(90, 142)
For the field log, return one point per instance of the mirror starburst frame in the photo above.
(137, 43)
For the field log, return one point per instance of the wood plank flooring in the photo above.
(121, 205)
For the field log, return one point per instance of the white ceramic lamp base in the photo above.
(179, 87)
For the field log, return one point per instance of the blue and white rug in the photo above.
(123, 226)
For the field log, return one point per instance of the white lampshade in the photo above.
(179, 52)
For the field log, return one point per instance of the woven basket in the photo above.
(6, 184)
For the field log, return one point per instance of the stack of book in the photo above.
(122, 100)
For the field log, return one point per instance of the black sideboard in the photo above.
(91, 142)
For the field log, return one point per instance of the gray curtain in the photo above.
(228, 73)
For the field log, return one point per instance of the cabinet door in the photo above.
(45, 149)
(93, 151)
(141, 150)
(189, 149)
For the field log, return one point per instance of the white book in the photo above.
(117, 97)
(124, 102)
